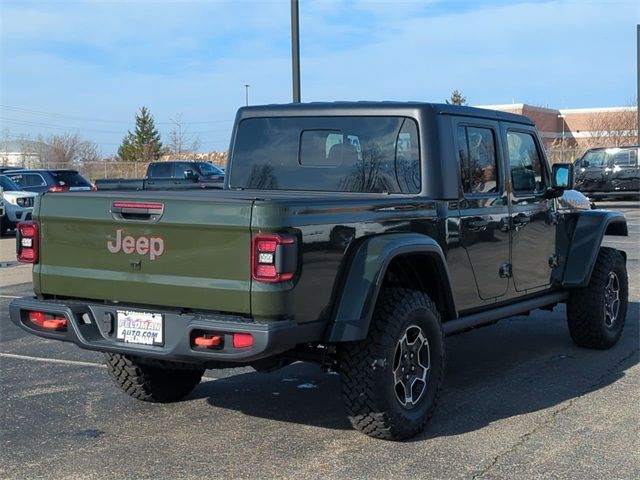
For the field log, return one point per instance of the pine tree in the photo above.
(144, 144)
(456, 98)
(126, 152)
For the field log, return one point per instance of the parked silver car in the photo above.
(18, 204)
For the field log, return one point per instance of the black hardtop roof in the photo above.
(412, 109)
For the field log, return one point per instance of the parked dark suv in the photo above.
(40, 181)
(608, 172)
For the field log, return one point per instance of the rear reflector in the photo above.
(58, 188)
(242, 340)
(48, 321)
(27, 242)
(205, 341)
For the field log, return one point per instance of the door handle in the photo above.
(478, 224)
(520, 220)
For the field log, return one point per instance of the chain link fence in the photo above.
(96, 170)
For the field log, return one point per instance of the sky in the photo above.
(86, 67)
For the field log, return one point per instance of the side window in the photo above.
(161, 170)
(31, 180)
(625, 158)
(17, 179)
(181, 169)
(407, 162)
(527, 173)
(478, 162)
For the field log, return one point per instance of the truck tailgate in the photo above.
(195, 254)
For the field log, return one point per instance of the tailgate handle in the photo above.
(141, 211)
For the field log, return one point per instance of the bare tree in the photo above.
(180, 140)
(26, 150)
(71, 148)
(613, 129)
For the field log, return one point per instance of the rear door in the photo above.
(533, 217)
(484, 212)
(622, 171)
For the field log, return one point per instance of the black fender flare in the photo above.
(591, 227)
(365, 272)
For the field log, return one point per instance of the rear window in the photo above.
(338, 154)
(68, 179)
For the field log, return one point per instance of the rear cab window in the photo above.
(68, 178)
(339, 154)
(161, 170)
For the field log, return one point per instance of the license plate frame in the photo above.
(140, 328)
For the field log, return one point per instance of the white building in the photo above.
(23, 153)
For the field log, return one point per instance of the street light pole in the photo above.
(561, 117)
(295, 50)
(246, 94)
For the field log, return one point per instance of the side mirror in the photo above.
(562, 176)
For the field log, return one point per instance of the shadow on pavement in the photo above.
(519, 366)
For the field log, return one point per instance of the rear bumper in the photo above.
(93, 327)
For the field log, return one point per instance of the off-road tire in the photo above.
(160, 382)
(586, 307)
(367, 367)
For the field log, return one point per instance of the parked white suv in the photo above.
(18, 204)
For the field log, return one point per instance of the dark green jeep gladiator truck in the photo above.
(357, 235)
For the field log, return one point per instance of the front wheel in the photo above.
(392, 379)
(596, 314)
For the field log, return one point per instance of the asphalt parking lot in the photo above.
(520, 401)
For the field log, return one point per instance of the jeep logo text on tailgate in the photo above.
(152, 246)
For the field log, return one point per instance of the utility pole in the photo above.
(295, 50)
(561, 117)
(246, 94)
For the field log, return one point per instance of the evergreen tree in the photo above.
(456, 98)
(144, 144)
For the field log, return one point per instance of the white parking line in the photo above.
(65, 362)
(52, 360)
(10, 296)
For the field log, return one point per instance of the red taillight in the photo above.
(27, 242)
(48, 321)
(58, 188)
(274, 258)
(242, 340)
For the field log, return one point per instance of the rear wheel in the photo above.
(159, 382)
(596, 314)
(392, 379)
